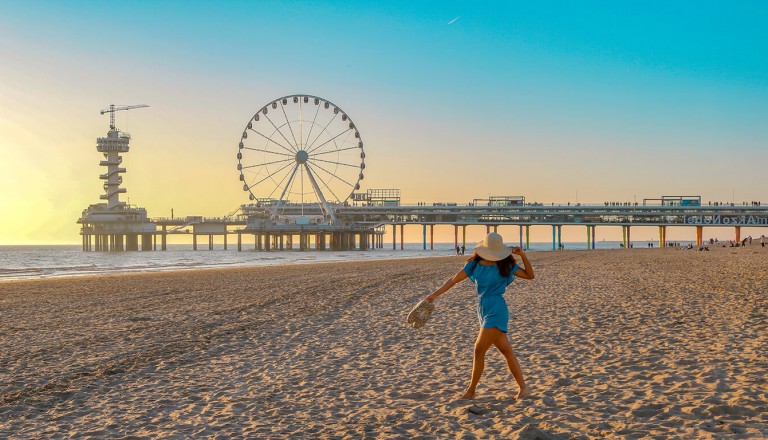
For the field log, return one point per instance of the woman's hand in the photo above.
(517, 250)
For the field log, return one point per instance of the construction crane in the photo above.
(115, 108)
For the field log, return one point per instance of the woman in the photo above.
(492, 268)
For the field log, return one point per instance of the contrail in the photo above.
(454, 20)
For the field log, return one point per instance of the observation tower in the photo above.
(115, 225)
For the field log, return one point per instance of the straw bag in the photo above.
(420, 314)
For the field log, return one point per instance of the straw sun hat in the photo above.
(492, 248)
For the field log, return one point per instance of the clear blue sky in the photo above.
(455, 100)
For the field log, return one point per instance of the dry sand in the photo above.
(638, 343)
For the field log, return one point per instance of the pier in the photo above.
(363, 227)
(308, 220)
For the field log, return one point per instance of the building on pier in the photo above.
(115, 225)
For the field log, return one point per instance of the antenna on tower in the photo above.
(116, 108)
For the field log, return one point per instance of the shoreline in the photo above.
(153, 262)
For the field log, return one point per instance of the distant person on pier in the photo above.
(491, 268)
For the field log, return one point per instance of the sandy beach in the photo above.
(641, 343)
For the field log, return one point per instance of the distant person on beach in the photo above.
(491, 268)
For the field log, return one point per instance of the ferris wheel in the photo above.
(298, 154)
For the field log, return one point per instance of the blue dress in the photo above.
(491, 308)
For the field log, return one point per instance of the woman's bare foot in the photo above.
(469, 395)
(523, 392)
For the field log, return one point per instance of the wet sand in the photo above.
(641, 343)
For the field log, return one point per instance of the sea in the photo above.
(36, 262)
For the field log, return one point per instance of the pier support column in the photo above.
(662, 236)
(521, 236)
(487, 229)
(119, 238)
(431, 237)
(394, 236)
(146, 242)
(588, 234)
(629, 237)
(267, 244)
(402, 237)
(464, 237)
(738, 234)
(424, 231)
(194, 241)
(164, 240)
(225, 241)
(496, 228)
(624, 236)
(554, 239)
(699, 235)
(559, 236)
(210, 242)
(132, 242)
(527, 237)
(455, 237)
(594, 227)
(239, 242)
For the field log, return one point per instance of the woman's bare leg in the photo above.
(483, 342)
(502, 343)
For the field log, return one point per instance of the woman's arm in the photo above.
(460, 276)
(527, 272)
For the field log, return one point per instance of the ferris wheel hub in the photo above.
(301, 157)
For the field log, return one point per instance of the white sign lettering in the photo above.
(738, 220)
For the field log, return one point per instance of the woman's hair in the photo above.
(505, 266)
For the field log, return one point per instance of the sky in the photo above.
(557, 101)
